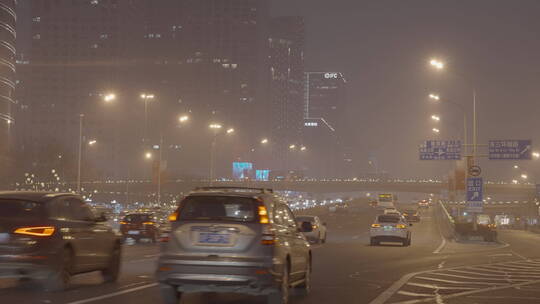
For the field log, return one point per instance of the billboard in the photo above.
(262, 175)
(242, 170)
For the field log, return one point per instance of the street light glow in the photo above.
(434, 96)
(436, 117)
(292, 147)
(524, 176)
(147, 96)
(148, 155)
(264, 141)
(109, 97)
(230, 131)
(215, 126)
(516, 167)
(439, 65)
(183, 118)
(92, 142)
(303, 148)
(436, 130)
(536, 154)
(514, 181)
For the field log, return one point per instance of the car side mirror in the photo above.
(306, 227)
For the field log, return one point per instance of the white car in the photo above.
(390, 228)
(318, 235)
(392, 211)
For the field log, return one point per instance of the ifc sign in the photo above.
(331, 75)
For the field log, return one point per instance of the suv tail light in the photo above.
(35, 231)
(401, 226)
(263, 215)
(148, 223)
(375, 225)
(268, 235)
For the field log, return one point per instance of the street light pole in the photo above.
(213, 159)
(81, 117)
(159, 170)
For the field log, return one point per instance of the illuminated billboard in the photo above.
(262, 175)
(242, 170)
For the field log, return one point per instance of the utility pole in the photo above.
(81, 117)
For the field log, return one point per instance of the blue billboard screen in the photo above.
(262, 175)
(242, 170)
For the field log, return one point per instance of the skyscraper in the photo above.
(8, 19)
(286, 44)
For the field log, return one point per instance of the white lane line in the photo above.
(414, 294)
(441, 264)
(431, 286)
(474, 278)
(114, 294)
(443, 242)
(519, 255)
(458, 282)
(496, 275)
(387, 294)
(466, 293)
(500, 254)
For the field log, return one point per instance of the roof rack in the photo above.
(234, 189)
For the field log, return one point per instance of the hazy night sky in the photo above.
(383, 46)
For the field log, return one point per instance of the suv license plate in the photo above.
(214, 238)
(133, 232)
(388, 227)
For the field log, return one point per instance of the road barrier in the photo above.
(447, 225)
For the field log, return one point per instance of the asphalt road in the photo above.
(348, 270)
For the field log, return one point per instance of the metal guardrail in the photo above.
(448, 221)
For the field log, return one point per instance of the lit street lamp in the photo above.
(148, 155)
(434, 96)
(436, 117)
(215, 127)
(536, 154)
(435, 130)
(303, 148)
(264, 141)
(92, 142)
(516, 167)
(109, 97)
(230, 131)
(439, 65)
(292, 147)
(183, 118)
(524, 176)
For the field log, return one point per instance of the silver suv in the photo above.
(239, 240)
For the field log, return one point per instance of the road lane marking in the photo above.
(114, 294)
(431, 286)
(441, 264)
(519, 255)
(500, 254)
(414, 294)
(466, 293)
(441, 246)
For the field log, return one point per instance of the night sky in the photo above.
(383, 47)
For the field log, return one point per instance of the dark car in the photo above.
(49, 237)
(411, 215)
(140, 226)
(235, 240)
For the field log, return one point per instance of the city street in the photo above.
(348, 270)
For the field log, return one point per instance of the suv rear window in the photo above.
(138, 218)
(20, 209)
(387, 219)
(221, 208)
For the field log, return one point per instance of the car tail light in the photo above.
(123, 223)
(35, 231)
(268, 235)
(173, 217)
(376, 226)
(164, 238)
(314, 226)
(148, 223)
(263, 215)
(401, 226)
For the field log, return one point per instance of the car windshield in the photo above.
(138, 218)
(388, 219)
(226, 208)
(20, 209)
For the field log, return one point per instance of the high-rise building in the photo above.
(325, 97)
(8, 19)
(324, 122)
(286, 70)
(202, 57)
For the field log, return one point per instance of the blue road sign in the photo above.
(475, 194)
(510, 149)
(440, 150)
